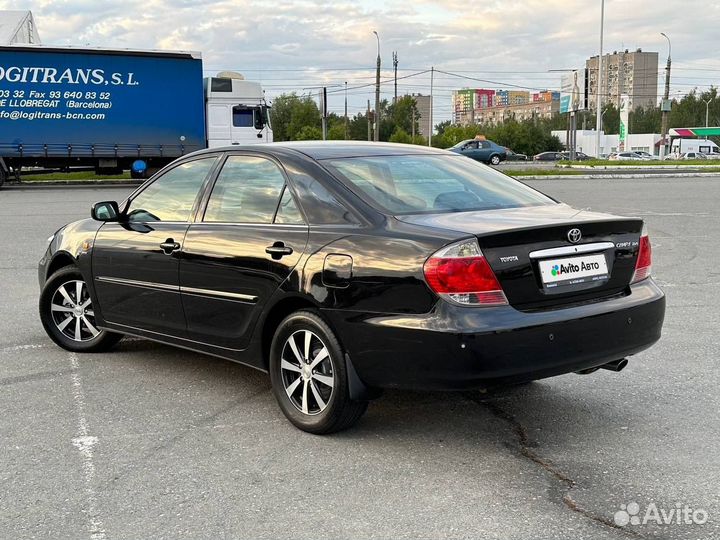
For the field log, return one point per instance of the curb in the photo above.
(72, 183)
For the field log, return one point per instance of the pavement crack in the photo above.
(526, 451)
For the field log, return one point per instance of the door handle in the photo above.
(278, 250)
(169, 245)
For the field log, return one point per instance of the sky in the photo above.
(300, 45)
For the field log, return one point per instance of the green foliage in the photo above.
(526, 137)
(308, 133)
(400, 136)
(291, 114)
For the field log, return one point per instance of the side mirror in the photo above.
(105, 211)
(259, 116)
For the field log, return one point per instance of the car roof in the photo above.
(334, 149)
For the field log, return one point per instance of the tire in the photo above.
(3, 175)
(314, 400)
(495, 159)
(71, 324)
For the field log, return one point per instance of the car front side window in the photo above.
(171, 197)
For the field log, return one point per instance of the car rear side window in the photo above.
(432, 183)
(247, 190)
(288, 212)
(171, 197)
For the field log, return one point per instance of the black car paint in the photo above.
(395, 330)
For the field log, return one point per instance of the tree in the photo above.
(291, 113)
(308, 133)
(401, 136)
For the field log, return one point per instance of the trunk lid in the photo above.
(536, 262)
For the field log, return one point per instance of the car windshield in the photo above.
(416, 184)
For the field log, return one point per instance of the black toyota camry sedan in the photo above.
(345, 268)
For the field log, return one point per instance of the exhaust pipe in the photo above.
(616, 365)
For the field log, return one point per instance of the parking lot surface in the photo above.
(148, 441)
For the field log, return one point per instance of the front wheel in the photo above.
(309, 377)
(68, 315)
(495, 160)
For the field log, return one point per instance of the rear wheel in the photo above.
(68, 315)
(309, 378)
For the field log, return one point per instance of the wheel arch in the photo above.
(61, 259)
(279, 310)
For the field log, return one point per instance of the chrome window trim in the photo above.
(571, 250)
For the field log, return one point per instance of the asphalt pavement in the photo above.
(154, 442)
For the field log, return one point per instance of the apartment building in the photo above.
(633, 73)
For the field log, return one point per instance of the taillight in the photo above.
(461, 274)
(643, 265)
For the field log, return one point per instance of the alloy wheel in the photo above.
(307, 373)
(72, 311)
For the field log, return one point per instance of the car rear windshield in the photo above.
(416, 184)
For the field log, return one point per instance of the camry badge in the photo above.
(574, 235)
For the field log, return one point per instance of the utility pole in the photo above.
(377, 91)
(665, 107)
(432, 79)
(412, 119)
(707, 110)
(395, 65)
(346, 116)
(598, 83)
(324, 112)
(368, 122)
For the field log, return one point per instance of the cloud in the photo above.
(509, 41)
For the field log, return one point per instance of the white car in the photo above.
(626, 156)
(645, 155)
(693, 155)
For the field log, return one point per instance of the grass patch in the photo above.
(543, 172)
(72, 177)
(654, 163)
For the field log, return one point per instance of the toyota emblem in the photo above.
(574, 235)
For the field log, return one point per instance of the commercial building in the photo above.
(18, 27)
(587, 142)
(632, 73)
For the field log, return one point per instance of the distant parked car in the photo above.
(514, 156)
(481, 150)
(693, 155)
(548, 156)
(626, 156)
(579, 156)
(645, 155)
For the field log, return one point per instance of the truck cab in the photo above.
(236, 112)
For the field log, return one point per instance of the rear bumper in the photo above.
(456, 347)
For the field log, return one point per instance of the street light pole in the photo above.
(377, 90)
(707, 110)
(666, 96)
(598, 83)
(346, 116)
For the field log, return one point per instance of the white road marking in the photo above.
(85, 442)
(15, 348)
